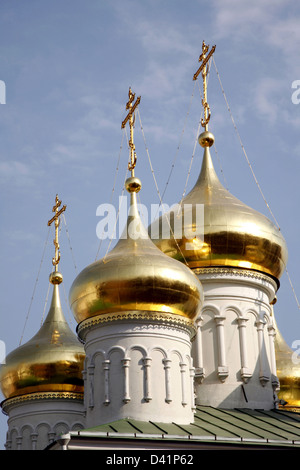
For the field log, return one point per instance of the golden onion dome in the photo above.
(135, 276)
(288, 373)
(227, 233)
(52, 361)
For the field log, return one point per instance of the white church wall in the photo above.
(234, 352)
(142, 370)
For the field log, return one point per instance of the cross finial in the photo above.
(131, 118)
(204, 69)
(56, 220)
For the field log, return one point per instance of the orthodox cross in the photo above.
(131, 118)
(56, 220)
(204, 69)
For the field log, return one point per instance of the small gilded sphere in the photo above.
(133, 184)
(56, 278)
(206, 139)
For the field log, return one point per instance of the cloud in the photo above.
(25, 236)
(241, 19)
(22, 174)
(160, 38)
(284, 34)
(263, 30)
(264, 98)
(274, 23)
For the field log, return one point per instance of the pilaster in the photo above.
(143, 367)
(233, 351)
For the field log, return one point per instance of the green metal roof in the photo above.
(274, 427)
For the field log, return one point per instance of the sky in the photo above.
(65, 70)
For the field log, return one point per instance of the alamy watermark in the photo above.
(2, 92)
(296, 354)
(2, 352)
(180, 221)
(296, 93)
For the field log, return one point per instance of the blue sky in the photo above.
(67, 66)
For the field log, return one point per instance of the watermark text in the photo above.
(296, 93)
(2, 352)
(296, 353)
(179, 221)
(2, 92)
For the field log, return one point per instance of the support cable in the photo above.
(46, 301)
(113, 189)
(253, 174)
(191, 163)
(35, 285)
(119, 207)
(70, 246)
(243, 148)
(67, 304)
(195, 144)
(156, 185)
(180, 141)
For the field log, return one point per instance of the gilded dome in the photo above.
(229, 233)
(135, 276)
(288, 373)
(52, 361)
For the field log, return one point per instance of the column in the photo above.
(192, 377)
(84, 376)
(246, 374)
(263, 376)
(167, 366)
(275, 380)
(34, 438)
(183, 383)
(106, 365)
(19, 442)
(126, 363)
(199, 369)
(222, 367)
(91, 369)
(147, 364)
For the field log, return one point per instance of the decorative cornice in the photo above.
(294, 409)
(137, 316)
(41, 396)
(240, 272)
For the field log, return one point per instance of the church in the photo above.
(176, 345)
